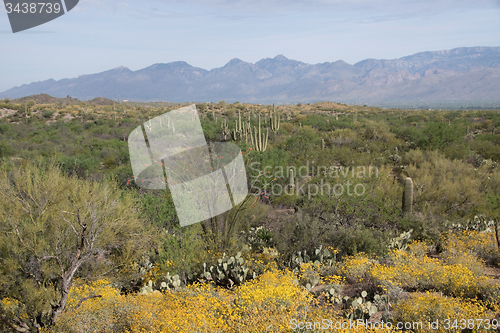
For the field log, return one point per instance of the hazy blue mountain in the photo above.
(462, 76)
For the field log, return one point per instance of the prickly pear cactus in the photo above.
(359, 308)
(400, 242)
(170, 282)
(228, 271)
(148, 288)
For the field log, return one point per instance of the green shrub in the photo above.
(48, 114)
(182, 252)
(80, 165)
(352, 241)
(6, 149)
(157, 207)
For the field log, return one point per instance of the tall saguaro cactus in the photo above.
(259, 139)
(238, 128)
(225, 129)
(408, 196)
(275, 120)
(243, 131)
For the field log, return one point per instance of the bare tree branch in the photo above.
(71, 225)
(86, 299)
(48, 257)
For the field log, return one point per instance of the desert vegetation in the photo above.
(354, 213)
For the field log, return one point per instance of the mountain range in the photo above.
(467, 76)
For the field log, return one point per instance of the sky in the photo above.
(98, 35)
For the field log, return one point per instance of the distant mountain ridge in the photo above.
(462, 75)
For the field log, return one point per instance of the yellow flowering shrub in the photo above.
(354, 267)
(333, 279)
(13, 308)
(480, 244)
(199, 308)
(309, 274)
(82, 289)
(277, 300)
(427, 308)
(274, 302)
(108, 313)
(413, 270)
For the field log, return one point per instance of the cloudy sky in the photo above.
(103, 34)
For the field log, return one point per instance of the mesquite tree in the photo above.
(51, 227)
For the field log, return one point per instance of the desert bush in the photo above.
(355, 240)
(425, 228)
(6, 149)
(79, 165)
(288, 127)
(439, 135)
(302, 144)
(269, 303)
(95, 307)
(413, 270)
(354, 268)
(420, 310)
(473, 243)
(438, 189)
(181, 251)
(48, 114)
(65, 227)
(157, 207)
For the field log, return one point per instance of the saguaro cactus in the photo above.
(258, 138)
(275, 120)
(225, 129)
(322, 144)
(292, 179)
(408, 196)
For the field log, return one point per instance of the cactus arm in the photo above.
(260, 137)
(267, 136)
